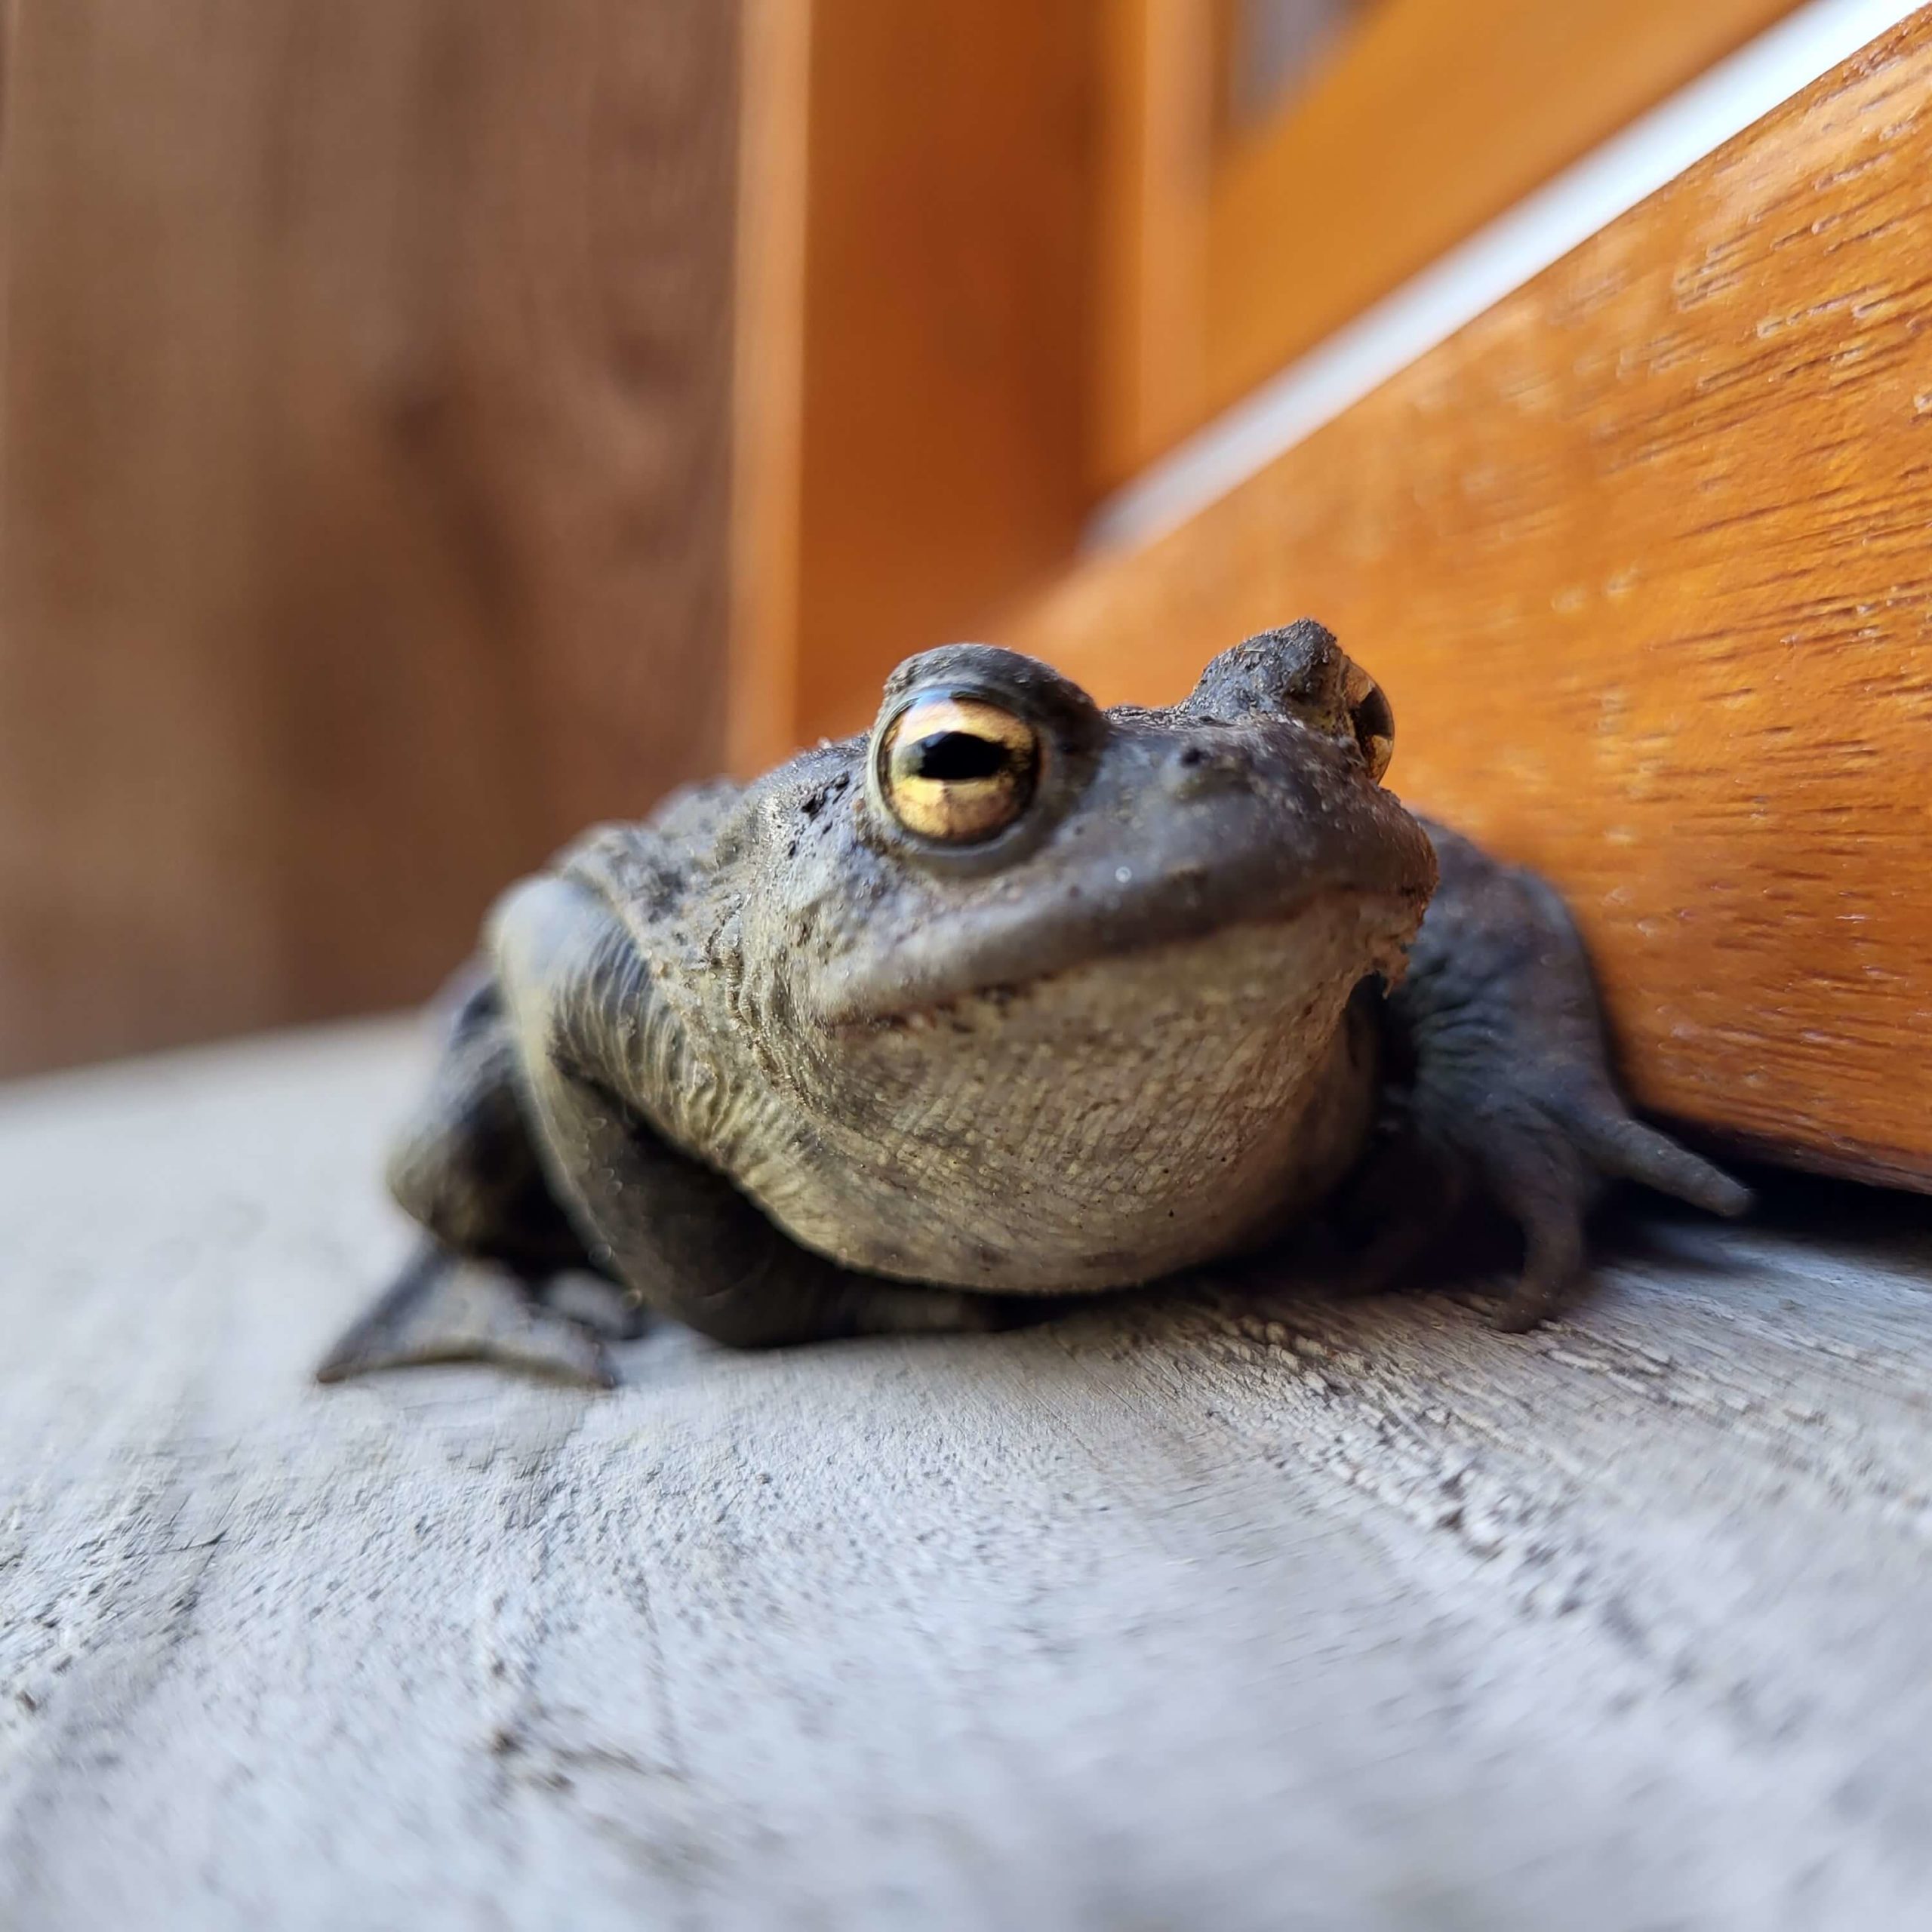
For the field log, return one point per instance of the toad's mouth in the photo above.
(997, 967)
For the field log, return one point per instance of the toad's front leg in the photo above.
(495, 1245)
(682, 1239)
(1507, 1088)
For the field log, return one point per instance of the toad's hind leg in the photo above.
(464, 1168)
(1509, 1090)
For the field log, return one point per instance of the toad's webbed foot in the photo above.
(1509, 1091)
(441, 1308)
(1547, 1168)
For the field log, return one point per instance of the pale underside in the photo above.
(1094, 1129)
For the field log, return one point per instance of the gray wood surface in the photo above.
(1206, 1611)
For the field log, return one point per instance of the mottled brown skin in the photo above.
(1010, 999)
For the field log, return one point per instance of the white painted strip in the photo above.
(1478, 273)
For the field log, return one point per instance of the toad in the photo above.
(1010, 999)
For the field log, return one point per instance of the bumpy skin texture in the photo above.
(781, 1068)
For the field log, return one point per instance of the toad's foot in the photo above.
(1510, 1092)
(440, 1309)
(1544, 1161)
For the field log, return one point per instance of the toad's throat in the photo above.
(1096, 1127)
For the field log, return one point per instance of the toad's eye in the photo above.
(958, 769)
(1373, 722)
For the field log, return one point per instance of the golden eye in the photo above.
(959, 768)
(1373, 721)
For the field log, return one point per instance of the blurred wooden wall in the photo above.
(424, 429)
(364, 483)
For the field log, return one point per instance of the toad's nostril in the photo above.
(1201, 770)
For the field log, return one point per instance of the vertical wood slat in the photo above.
(768, 405)
(1155, 160)
(948, 280)
(366, 395)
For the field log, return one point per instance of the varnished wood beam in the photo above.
(1641, 559)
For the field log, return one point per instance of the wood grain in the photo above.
(948, 276)
(1217, 1609)
(1641, 557)
(366, 392)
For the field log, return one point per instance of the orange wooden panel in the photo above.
(1643, 559)
(1155, 162)
(943, 458)
(1436, 115)
(767, 409)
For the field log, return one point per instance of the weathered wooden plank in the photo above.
(366, 393)
(1222, 1607)
(1641, 559)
